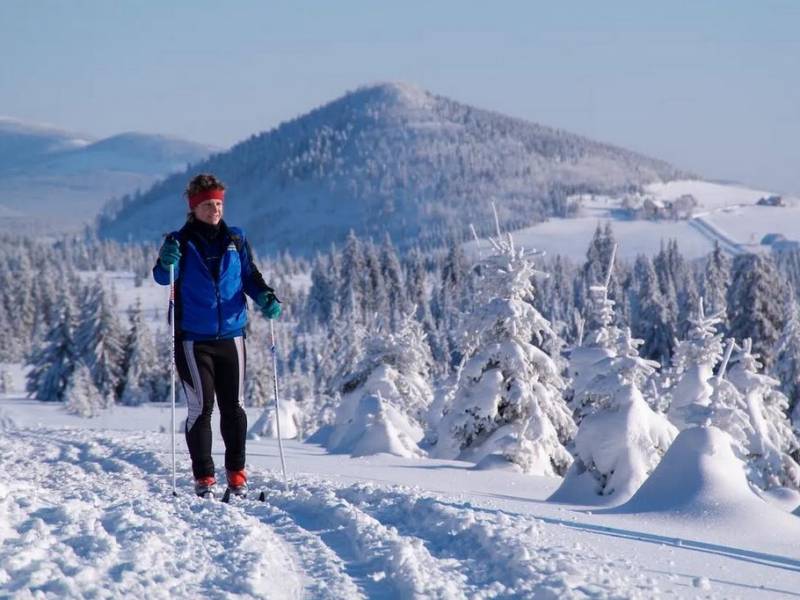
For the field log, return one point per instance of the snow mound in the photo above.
(701, 478)
(267, 425)
(370, 425)
(625, 444)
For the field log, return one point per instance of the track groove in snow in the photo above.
(495, 548)
(383, 562)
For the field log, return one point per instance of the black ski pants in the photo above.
(206, 369)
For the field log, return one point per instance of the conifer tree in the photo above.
(54, 359)
(787, 353)
(664, 265)
(595, 268)
(621, 440)
(6, 381)
(351, 292)
(376, 297)
(81, 394)
(100, 338)
(772, 440)
(599, 343)
(755, 304)
(258, 378)
(391, 385)
(139, 364)
(693, 368)
(715, 283)
(649, 314)
(394, 282)
(508, 405)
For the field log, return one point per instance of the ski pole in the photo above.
(172, 366)
(277, 406)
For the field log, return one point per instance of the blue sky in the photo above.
(710, 86)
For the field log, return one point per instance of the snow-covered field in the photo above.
(87, 512)
(725, 213)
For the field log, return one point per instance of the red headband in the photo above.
(200, 197)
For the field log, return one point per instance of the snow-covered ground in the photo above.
(87, 512)
(725, 213)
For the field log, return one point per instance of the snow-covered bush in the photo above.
(508, 406)
(622, 439)
(140, 365)
(771, 438)
(267, 424)
(693, 366)
(587, 361)
(81, 396)
(386, 397)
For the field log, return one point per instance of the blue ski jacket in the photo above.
(211, 280)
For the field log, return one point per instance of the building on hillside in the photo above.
(771, 201)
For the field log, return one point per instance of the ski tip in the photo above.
(262, 497)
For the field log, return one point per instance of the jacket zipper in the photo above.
(216, 287)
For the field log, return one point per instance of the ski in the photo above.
(226, 497)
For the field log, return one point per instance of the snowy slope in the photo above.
(92, 515)
(393, 158)
(727, 214)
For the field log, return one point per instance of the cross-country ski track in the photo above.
(90, 514)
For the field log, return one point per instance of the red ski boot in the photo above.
(204, 486)
(237, 483)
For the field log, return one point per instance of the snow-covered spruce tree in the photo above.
(11, 349)
(6, 381)
(620, 442)
(787, 354)
(715, 283)
(394, 282)
(599, 343)
(693, 368)
(417, 295)
(453, 295)
(649, 314)
(386, 397)
(556, 296)
(508, 406)
(376, 296)
(594, 270)
(729, 411)
(81, 395)
(755, 304)
(139, 365)
(322, 294)
(100, 338)
(772, 438)
(54, 359)
(351, 293)
(258, 377)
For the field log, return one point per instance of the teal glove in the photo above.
(170, 253)
(270, 305)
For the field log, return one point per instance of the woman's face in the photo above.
(209, 211)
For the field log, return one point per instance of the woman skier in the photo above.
(214, 269)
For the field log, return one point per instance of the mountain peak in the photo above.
(398, 92)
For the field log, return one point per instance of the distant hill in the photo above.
(58, 180)
(392, 158)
